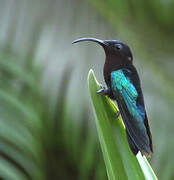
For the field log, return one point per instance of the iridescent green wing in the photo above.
(133, 114)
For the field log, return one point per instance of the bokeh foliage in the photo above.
(46, 124)
(39, 142)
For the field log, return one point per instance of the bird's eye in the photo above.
(118, 46)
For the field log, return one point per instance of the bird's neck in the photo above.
(113, 64)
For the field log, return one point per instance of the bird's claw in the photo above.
(117, 114)
(102, 90)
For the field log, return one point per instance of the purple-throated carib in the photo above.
(124, 86)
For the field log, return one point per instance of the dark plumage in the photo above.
(124, 86)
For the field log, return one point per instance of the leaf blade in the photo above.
(120, 162)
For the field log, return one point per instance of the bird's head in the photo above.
(113, 48)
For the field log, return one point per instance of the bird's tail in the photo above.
(134, 148)
(131, 143)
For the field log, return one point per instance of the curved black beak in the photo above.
(101, 42)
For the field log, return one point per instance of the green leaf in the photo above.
(119, 160)
(147, 170)
(9, 171)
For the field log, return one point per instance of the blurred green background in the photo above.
(47, 127)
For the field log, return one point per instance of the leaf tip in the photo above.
(90, 74)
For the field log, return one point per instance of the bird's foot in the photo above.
(117, 114)
(102, 91)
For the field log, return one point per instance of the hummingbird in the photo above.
(124, 86)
